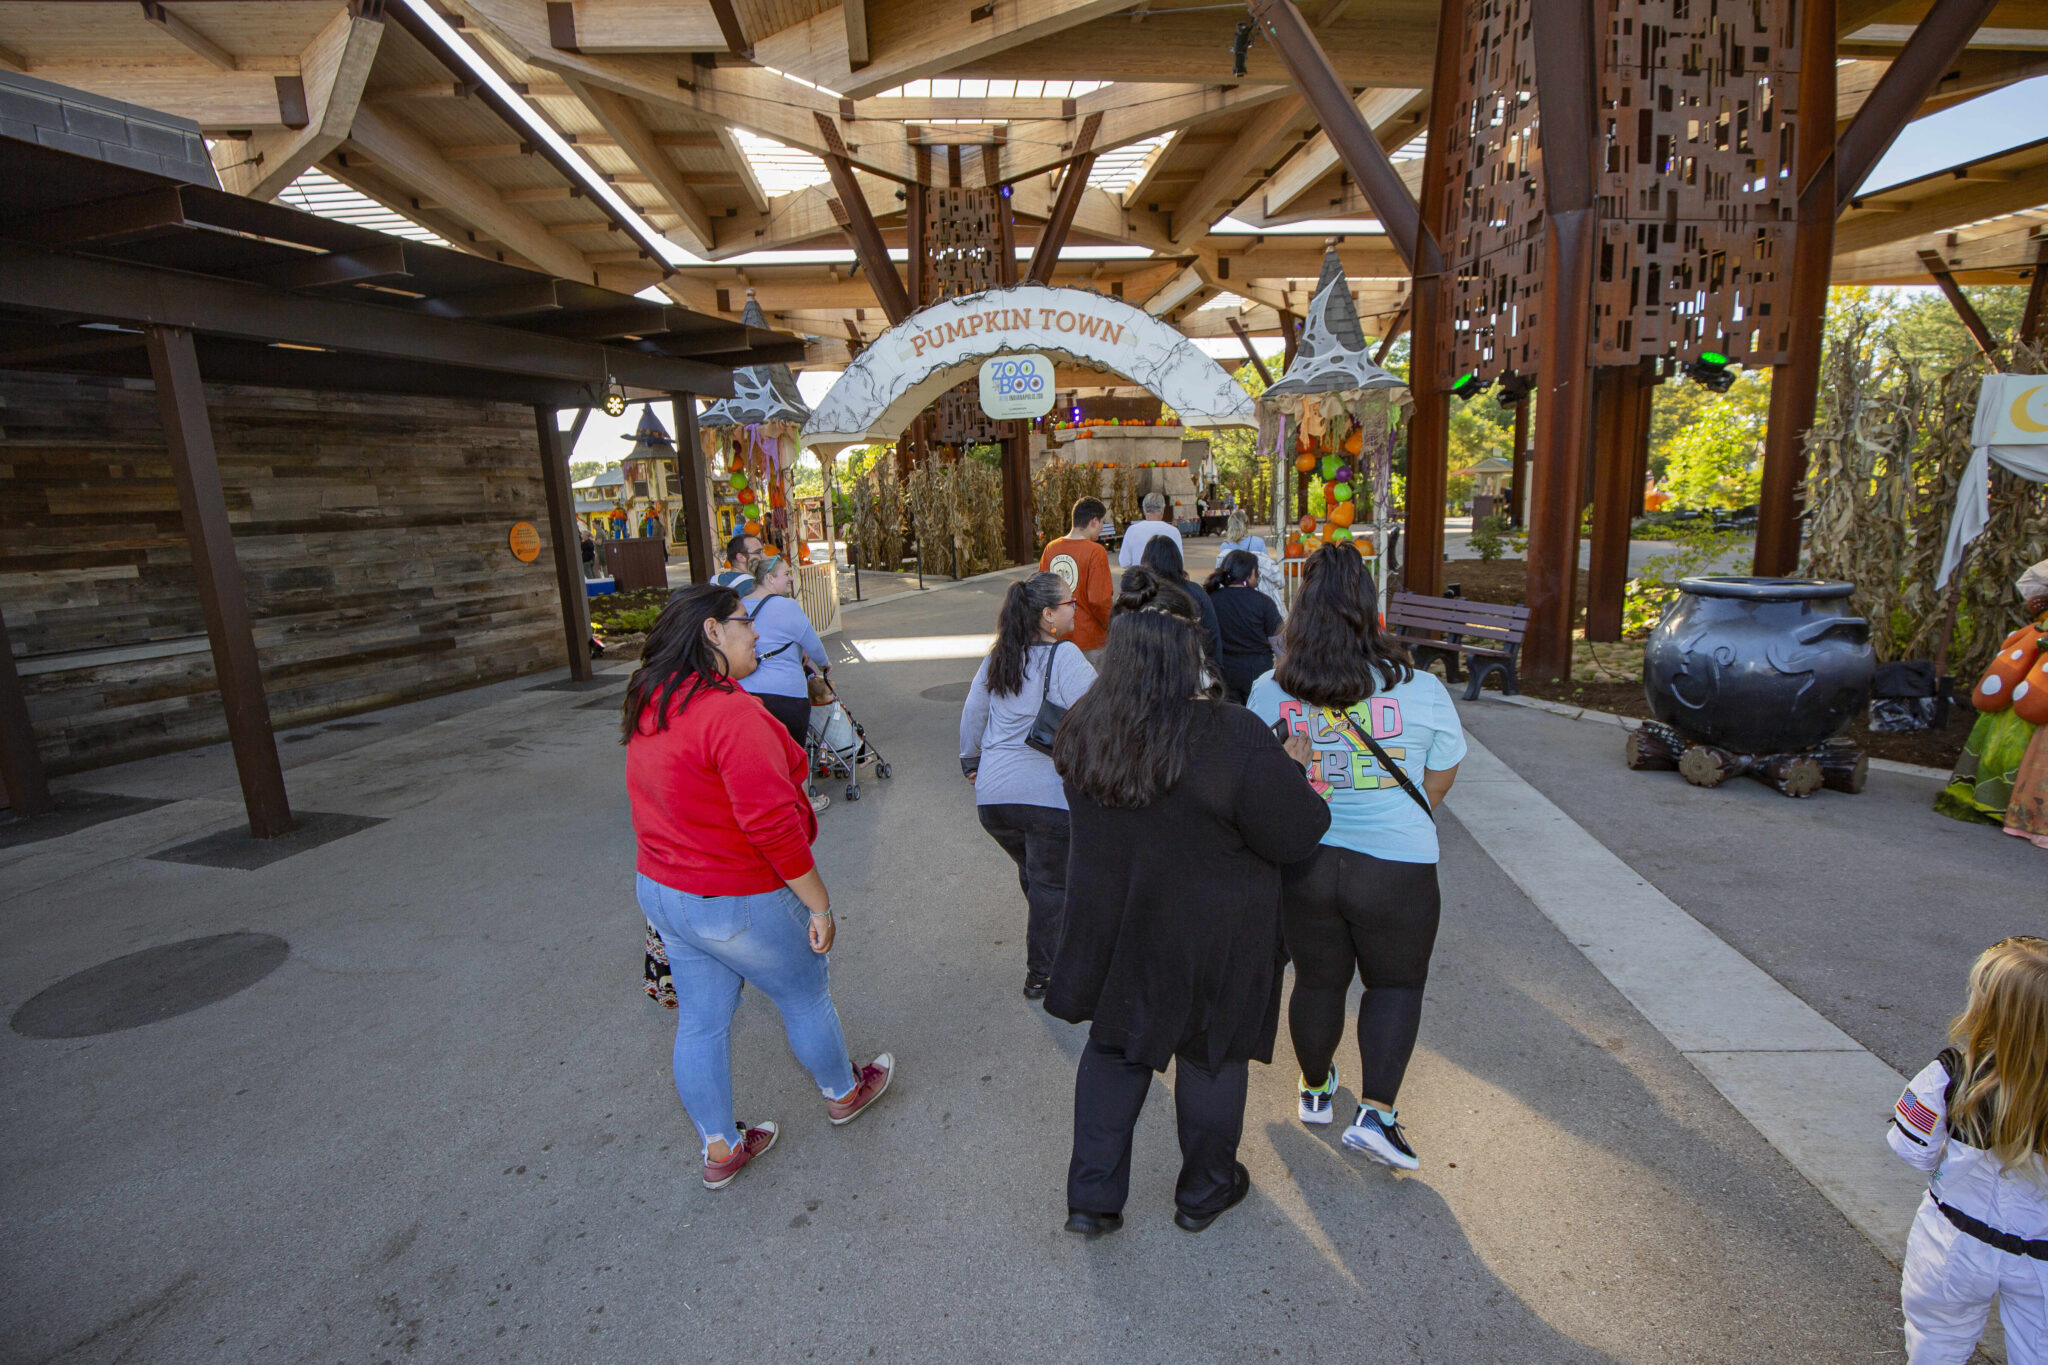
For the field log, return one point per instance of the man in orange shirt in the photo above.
(1079, 558)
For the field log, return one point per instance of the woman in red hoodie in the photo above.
(725, 870)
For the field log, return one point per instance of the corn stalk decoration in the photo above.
(1054, 491)
(949, 506)
(877, 522)
(1887, 448)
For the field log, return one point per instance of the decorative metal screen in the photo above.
(963, 245)
(1697, 107)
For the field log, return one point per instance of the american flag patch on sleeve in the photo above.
(1916, 1113)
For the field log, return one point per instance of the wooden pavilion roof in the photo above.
(661, 100)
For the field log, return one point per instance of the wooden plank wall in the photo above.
(372, 534)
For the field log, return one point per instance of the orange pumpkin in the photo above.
(1304, 463)
(1294, 550)
(803, 552)
(1343, 514)
(1308, 524)
(776, 498)
(753, 528)
(1355, 442)
(1995, 689)
(2030, 698)
(1303, 445)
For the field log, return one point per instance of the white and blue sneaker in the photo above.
(1378, 1136)
(1315, 1104)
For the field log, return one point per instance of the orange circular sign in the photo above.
(525, 542)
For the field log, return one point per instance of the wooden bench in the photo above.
(1487, 636)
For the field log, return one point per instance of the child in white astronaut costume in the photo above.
(1977, 1118)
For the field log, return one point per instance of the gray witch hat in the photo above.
(1332, 357)
(760, 393)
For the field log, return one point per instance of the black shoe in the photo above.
(1093, 1224)
(1034, 985)
(1240, 1186)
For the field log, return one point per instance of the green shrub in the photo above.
(1489, 537)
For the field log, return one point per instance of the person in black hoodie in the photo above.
(1248, 621)
(1163, 558)
(1182, 810)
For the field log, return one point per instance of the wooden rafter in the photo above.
(333, 69)
(636, 140)
(179, 28)
(1255, 142)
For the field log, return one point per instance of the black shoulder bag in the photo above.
(1400, 773)
(1046, 724)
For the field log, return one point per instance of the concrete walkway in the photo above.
(444, 1128)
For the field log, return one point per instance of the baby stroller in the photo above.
(836, 743)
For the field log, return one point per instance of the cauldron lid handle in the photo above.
(1813, 630)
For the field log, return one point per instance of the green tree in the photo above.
(1716, 458)
(583, 469)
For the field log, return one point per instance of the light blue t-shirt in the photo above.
(1414, 722)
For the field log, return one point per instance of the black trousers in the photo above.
(793, 712)
(1240, 671)
(1109, 1092)
(1035, 837)
(1344, 911)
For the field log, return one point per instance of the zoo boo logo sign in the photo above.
(1016, 386)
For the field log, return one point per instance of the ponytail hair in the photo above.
(1017, 630)
(1127, 740)
(1233, 570)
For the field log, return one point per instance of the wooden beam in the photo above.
(27, 790)
(215, 100)
(1394, 330)
(1130, 113)
(333, 69)
(911, 39)
(743, 169)
(413, 159)
(1387, 50)
(1967, 311)
(10, 60)
(730, 29)
(636, 140)
(1795, 385)
(192, 38)
(632, 27)
(1379, 108)
(1219, 182)
(1251, 352)
(1566, 83)
(867, 237)
(695, 480)
(1940, 208)
(855, 14)
(566, 541)
(1904, 87)
(188, 436)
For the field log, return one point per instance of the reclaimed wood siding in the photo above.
(372, 536)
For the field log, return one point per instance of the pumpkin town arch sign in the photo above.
(899, 374)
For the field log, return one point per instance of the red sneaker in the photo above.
(869, 1083)
(753, 1141)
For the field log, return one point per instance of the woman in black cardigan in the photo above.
(1182, 809)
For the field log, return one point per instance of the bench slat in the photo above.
(1460, 604)
(1483, 628)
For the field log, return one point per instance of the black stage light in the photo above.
(1240, 47)
(1514, 388)
(1711, 369)
(1470, 386)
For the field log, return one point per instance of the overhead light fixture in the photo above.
(1469, 386)
(1711, 370)
(614, 398)
(1240, 47)
(1514, 387)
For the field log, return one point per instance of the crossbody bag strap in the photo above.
(753, 615)
(1400, 773)
(1045, 683)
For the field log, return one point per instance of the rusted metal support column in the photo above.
(1065, 205)
(917, 265)
(1394, 330)
(1019, 533)
(21, 767)
(1290, 339)
(1928, 55)
(554, 476)
(195, 468)
(860, 225)
(1429, 419)
(1795, 385)
(1251, 352)
(1617, 399)
(1932, 262)
(696, 481)
(1518, 486)
(1564, 33)
(1647, 380)
(2037, 295)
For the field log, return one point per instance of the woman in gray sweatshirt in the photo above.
(1016, 792)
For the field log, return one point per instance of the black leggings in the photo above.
(1342, 910)
(793, 712)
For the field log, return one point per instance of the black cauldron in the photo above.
(1758, 665)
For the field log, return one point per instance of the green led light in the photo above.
(1713, 357)
(1463, 381)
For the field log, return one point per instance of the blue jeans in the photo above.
(716, 944)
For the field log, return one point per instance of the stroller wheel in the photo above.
(853, 791)
(882, 771)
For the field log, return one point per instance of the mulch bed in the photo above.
(606, 609)
(1608, 677)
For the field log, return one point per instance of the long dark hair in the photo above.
(1126, 741)
(1017, 630)
(1162, 556)
(676, 653)
(1331, 649)
(1233, 570)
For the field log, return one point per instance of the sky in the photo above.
(2004, 118)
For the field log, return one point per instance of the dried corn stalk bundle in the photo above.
(878, 515)
(1123, 496)
(1883, 458)
(1055, 490)
(948, 505)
